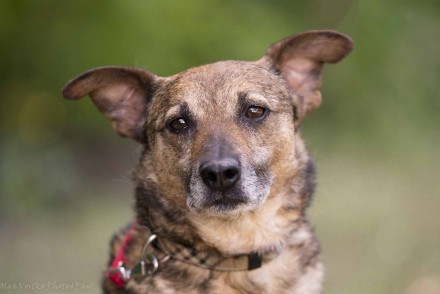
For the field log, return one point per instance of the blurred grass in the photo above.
(65, 176)
(378, 223)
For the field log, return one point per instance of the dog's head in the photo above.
(220, 137)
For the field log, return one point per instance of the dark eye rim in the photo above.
(176, 130)
(256, 119)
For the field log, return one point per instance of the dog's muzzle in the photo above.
(223, 181)
(220, 178)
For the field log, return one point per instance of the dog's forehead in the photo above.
(219, 86)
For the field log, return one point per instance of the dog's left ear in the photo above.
(120, 93)
(299, 60)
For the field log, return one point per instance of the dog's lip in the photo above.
(227, 202)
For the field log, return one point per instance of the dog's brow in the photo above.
(174, 111)
(178, 110)
(257, 99)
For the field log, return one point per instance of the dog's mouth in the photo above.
(246, 193)
(222, 204)
(226, 203)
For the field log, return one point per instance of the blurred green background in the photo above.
(65, 176)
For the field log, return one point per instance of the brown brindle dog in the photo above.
(224, 178)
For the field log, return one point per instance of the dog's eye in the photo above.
(255, 112)
(177, 125)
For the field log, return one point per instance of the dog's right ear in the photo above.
(299, 60)
(120, 93)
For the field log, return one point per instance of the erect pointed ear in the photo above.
(120, 93)
(299, 60)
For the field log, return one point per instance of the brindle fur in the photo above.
(277, 173)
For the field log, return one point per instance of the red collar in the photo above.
(212, 260)
(114, 274)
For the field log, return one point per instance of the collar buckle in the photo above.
(147, 266)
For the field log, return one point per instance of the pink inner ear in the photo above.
(112, 95)
(303, 78)
(300, 58)
(119, 92)
(123, 104)
(302, 75)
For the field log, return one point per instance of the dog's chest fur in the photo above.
(296, 268)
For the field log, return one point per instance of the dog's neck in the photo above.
(267, 229)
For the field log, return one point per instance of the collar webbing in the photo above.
(164, 249)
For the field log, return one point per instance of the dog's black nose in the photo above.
(220, 175)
